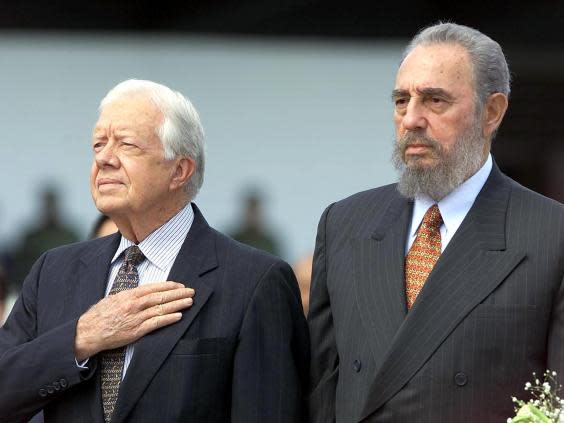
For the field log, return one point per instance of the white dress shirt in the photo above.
(160, 248)
(454, 207)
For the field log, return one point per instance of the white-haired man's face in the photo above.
(129, 175)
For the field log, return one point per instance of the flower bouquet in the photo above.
(545, 406)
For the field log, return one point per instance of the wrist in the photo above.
(83, 347)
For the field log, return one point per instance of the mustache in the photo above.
(411, 138)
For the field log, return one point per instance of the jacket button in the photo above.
(357, 365)
(50, 389)
(461, 379)
(57, 386)
(63, 383)
(42, 392)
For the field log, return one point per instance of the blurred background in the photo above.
(294, 98)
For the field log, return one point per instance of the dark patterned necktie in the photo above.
(112, 360)
(423, 254)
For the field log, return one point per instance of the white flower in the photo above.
(546, 387)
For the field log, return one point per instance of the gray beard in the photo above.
(452, 169)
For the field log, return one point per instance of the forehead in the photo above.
(131, 112)
(445, 66)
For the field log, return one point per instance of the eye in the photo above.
(127, 144)
(97, 146)
(401, 102)
(437, 103)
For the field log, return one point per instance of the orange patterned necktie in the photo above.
(423, 254)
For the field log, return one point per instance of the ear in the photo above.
(183, 171)
(494, 110)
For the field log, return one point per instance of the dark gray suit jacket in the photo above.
(239, 354)
(491, 312)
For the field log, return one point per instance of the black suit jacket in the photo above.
(490, 313)
(239, 354)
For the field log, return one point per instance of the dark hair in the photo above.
(3, 286)
(97, 225)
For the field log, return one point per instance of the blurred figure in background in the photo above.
(252, 230)
(51, 232)
(302, 269)
(3, 294)
(103, 226)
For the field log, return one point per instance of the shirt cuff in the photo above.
(82, 365)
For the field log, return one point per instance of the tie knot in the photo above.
(133, 255)
(433, 218)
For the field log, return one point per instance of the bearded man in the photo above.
(434, 299)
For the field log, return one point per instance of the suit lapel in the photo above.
(471, 267)
(196, 257)
(93, 277)
(91, 287)
(379, 278)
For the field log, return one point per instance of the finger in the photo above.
(168, 308)
(158, 322)
(155, 298)
(156, 287)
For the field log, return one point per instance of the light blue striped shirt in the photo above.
(160, 248)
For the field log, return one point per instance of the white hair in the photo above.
(490, 70)
(181, 132)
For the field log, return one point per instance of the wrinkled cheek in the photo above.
(93, 174)
(136, 198)
(93, 189)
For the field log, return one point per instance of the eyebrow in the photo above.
(399, 93)
(424, 92)
(432, 92)
(119, 132)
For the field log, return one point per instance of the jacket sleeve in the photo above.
(34, 368)
(271, 360)
(325, 359)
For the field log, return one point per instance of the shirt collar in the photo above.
(163, 244)
(455, 205)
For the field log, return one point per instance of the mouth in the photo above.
(107, 183)
(417, 149)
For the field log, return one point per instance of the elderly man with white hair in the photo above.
(167, 320)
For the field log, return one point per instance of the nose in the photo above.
(414, 117)
(106, 156)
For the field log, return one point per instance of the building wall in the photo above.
(308, 123)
